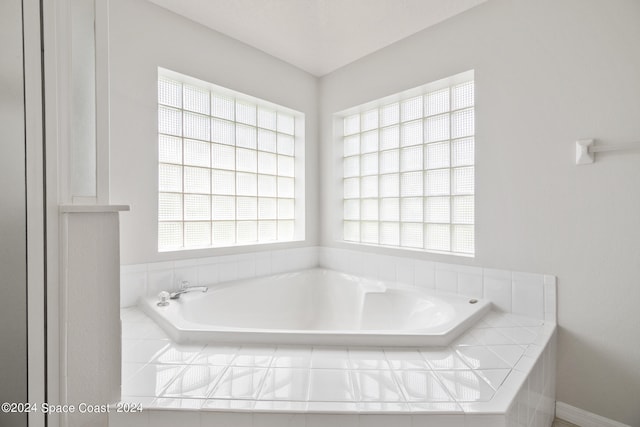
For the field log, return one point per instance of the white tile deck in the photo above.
(481, 373)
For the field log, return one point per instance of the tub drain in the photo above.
(473, 301)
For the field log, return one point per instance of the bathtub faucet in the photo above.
(185, 287)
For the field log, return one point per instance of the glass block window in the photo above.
(227, 167)
(408, 169)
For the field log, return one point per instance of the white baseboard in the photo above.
(583, 418)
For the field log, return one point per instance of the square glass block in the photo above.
(197, 153)
(286, 166)
(411, 158)
(411, 235)
(369, 232)
(170, 178)
(462, 96)
(390, 209)
(197, 180)
(246, 160)
(436, 128)
(223, 208)
(285, 187)
(267, 163)
(351, 166)
(436, 182)
(437, 237)
(222, 107)
(437, 209)
(266, 140)
(369, 120)
(411, 184)
(463, 152)
(351, 187)
(223, 233)
(197, 234)
(369, 164)
(223, 156)
(411, 109)
(223, 182)
(411, 133)
(351, 210)
(390, 233)
(223, 132)
(267, 231)
(463, 210)
(196, 126)
(463, 180)
(169, 92)
(390, 185)
(285, 230)
(463, 239)
(267, 208)
(246, 208)
(169, 207)
(196, 99)
(351, 231)
(286, 209)
(286, 144)
(169, 121)
(369, 186)
(267, 185)
(370, 141)
(247, 231)
(436, 155)
(169, 235)
(246, 184)
(197, 207)
(389, 114)
(411, 209)
(169, 149)
(246, 136)
(351, 124)
(245, 113)
(389, 161)
(369, 209)
(436, 102)
(462, 123)
(267, 119)
(390, 137)
(351, 145)
(286, 123)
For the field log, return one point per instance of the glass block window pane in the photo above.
(411, 133)
(267, 118)
(197, 153)
(436, 155)
(438, 237)
(169, 149)
(390, 185)
(196, 126)
(169, 92)
(408, 169)
(227, 166)
(197, 207)
(170, 207)
(196, 99)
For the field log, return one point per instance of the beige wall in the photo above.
(547, 72)
(143, 37)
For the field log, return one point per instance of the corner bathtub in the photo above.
(316, 307)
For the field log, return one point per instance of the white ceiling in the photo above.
(318, 36)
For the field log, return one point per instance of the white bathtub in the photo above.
(316, 306)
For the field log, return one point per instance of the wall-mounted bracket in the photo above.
(583, 155)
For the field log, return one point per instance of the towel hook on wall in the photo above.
(586, 149)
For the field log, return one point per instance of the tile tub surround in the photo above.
(525, 294)
(501, 372)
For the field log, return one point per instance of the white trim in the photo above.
(35, 208)
(93, 208)
(102, 100)
(583, 418)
